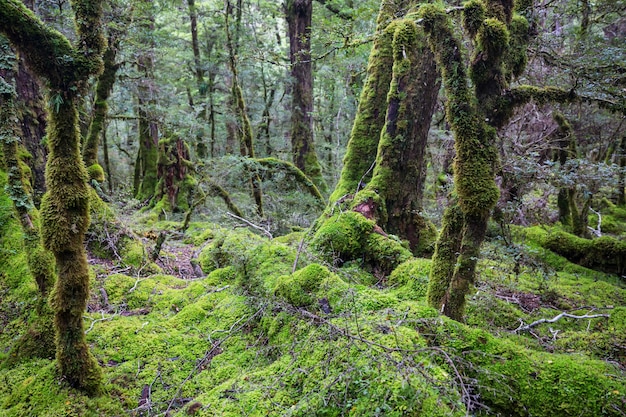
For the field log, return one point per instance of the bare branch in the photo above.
(527, 327)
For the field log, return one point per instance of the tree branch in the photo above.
(342, 14)
(527, 327)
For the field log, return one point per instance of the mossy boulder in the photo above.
(410, 278)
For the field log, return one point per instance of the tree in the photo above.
(38, 341)
(299, 14)
(65, 206)
(145, 178)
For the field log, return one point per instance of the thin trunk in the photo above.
(145, 179)
(621, 183)
(299, 19)
(245, 128)
(103, 91)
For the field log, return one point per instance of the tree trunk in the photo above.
(145, 179)
(400, 171)
(38, 341)
(33, 126)
(245, 128)
(370, 116)
(176, 184)
(65, 206)
(299, 20)
(621, 183)
(98, 120)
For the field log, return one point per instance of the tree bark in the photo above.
(400, 171)
(370, 117)
(145, 178)
(299, 15)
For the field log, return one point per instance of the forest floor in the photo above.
(221, 325)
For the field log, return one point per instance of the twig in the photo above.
(295, 262)
(597, 231)
(527, 327)
(249, 223)
(97, 320)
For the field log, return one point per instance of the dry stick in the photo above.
(97, 320)
(527, 327)
(295, 262)
(266, 232)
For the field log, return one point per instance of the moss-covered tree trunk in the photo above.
(244, 127)
(65, 206)
(400, 171)
(360, 157)
(145, 176)
(475, 187)
(621, 183)
(176, 184)
(38, 341)
(299, 15)
(33, 126)
(104, 87)
(563, 137)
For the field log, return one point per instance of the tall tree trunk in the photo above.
(565, 151)
(621, 182)
(400, 171)
(145, 178)
(65, 206)
(100, 108)
(38, 341)
(245, 128)
(475, 149)
(299, 15)
(370, 116)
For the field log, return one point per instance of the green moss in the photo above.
(341, 237)
(473, 16)
(605, 253)
(530, 383)
(370, 118)
(410, 279)
(298, 288)
(95, 172)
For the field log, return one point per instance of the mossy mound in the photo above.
(348, 236)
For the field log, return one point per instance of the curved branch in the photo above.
(523, 94)
(294, 171)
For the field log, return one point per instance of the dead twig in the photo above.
(526, 327)
(249, 223)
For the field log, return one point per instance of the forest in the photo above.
(313, 208)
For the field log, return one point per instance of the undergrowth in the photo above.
(275, 329)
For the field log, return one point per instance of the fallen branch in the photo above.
(527, 327)
(249, 223)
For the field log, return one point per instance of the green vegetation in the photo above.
(253, 337)
(471, 260)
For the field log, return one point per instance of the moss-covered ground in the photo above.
(273, 328)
